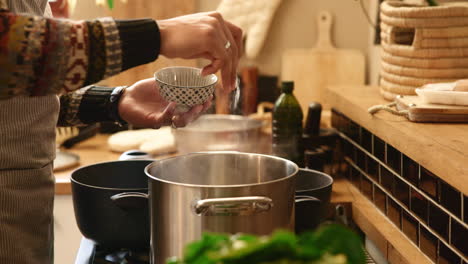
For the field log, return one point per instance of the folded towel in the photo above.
(254, 17)
(453, 93)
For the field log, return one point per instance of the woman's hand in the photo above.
(142, 106)
(204, 35)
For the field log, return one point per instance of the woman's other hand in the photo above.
(142, 106)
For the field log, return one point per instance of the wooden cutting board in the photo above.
(312, 70)
(420, 111)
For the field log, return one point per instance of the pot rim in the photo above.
(254, 125)
(318, 188)
(154, 163)
(73, 180)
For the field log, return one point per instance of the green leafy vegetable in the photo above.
(331, 244)
(338, 240)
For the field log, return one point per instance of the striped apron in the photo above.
(27, 150)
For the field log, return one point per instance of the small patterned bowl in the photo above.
(185, 86)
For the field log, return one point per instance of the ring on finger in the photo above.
(227, 45)
(172, 122)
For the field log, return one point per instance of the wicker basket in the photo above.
(422, 44)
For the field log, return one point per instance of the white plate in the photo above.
(65, 160)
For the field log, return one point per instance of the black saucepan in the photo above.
(315, 184)
(109, 202)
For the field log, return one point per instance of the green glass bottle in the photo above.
(287, 125)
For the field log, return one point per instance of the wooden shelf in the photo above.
(395, 246)
(440, 148)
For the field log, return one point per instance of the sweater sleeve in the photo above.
(40, 56)
(86, 106)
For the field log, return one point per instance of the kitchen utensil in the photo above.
(315, 137)
(312, 70)
(227, 192)
(218, 132)
(314, 184)
(419, 111)
(65, 160)
(312, 124)
(135, 155)
(185, 85)
(416, 110)
(107, 210)
(64, 133)
(83, 134)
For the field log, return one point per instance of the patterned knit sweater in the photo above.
(41, 56)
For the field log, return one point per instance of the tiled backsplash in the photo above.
(430, 212)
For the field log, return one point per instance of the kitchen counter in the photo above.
(440, 148)
(408, 180)
(93, 150)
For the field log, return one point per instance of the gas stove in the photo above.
(92, 253)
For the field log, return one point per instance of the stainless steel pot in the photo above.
(219, 132)
(219, 192)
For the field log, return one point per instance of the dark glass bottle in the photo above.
(287, 125)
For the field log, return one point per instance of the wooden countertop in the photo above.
(440, 148)
(93, 150)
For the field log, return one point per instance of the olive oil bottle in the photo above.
(287, 126)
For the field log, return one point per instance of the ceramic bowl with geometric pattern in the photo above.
(185, 86)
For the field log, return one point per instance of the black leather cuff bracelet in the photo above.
(113, 106)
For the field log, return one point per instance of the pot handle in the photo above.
(232, 206)
(307, 214)
(130, 200)
(135, 155)
(304, 198)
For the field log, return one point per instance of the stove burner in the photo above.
(91, 253)
(127, 257)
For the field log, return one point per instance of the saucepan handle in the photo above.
(310, 199)
(232, 206)
(307, 213)
(130, 200)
